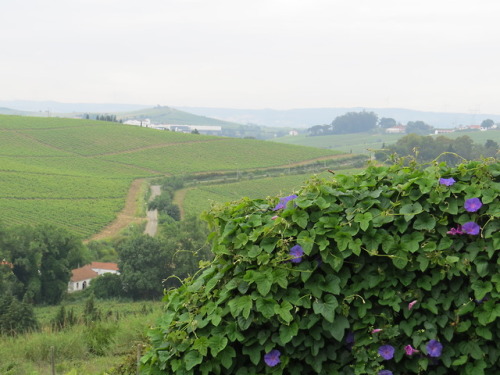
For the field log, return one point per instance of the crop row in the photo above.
(80, 216)
(107, 138)
(31, 185)
(223, 155)
(26, 122)
(13, 143)
(72, 166)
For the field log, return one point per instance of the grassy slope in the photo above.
(76, 173)
(169, 115)
(361, 142)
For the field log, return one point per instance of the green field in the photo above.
(125, 324)
(76, 173)
(361, 143)
(201, 198)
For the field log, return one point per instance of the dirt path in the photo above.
(152, 215)
(126, 216)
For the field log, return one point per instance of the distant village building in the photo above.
(293, 133)
(202, 129)
(398, 129)
(81, 277)
(145, 123)
(443, 131)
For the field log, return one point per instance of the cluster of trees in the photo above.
(427, 148)
(98, 117)
(35, 268)
(351, 122)
(38, 262)
(148, 265)
(164, 202)
(357, 122)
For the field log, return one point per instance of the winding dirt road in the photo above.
(152, 215)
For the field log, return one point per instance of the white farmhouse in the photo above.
(81, 277)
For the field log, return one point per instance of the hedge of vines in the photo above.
(392, 271)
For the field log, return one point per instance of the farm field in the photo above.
(201, 198)
(361, 143)
(124, 323)
(76, 173)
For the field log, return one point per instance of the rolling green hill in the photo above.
(76, 173)
(167, 115)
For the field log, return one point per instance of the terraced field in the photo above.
(76, 173)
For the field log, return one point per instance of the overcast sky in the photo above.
(437, 55)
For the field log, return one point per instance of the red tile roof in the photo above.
(104, 266)
(83, 273)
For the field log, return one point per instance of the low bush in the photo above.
(392, 271)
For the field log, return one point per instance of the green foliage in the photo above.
(163, 203)
(42, 258)
(418, 127)
(354, 122)
(99, 337)
(143, 266)
(372, 244)
(107, 286)
(16, 317)
(427, 148)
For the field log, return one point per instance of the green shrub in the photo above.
(394, 270)
(16, 317)
(99, 337)
(108, 286)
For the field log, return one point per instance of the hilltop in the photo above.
(76, 173)
(168, 115)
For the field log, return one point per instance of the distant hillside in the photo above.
(9, 111)
(168, 115)
(307, 117)
(76, 173)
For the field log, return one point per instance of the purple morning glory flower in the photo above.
(385, 372)
(473, 204)
(471, 228)
(386, 351)
(434, 348)
(283, 201)
(447, 181)
(272, 358)
(296, 252)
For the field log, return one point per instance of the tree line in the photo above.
(101, 117)
(427, 148)
(359, 122)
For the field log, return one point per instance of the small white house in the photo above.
(81, 277)
(398, 129)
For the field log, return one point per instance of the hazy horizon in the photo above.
(261, 54)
